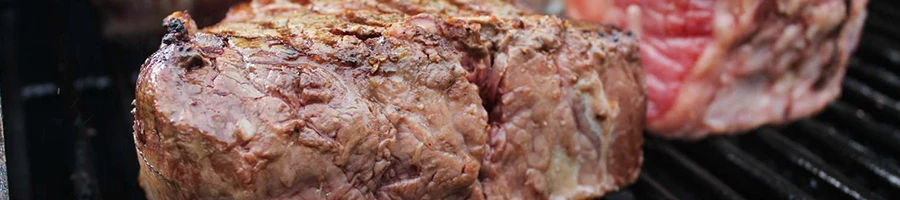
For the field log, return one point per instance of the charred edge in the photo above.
(175, 26)
(176, 31)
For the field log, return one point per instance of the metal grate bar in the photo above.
(876, 47)
(721, 190)
(622, 194)
(880, 133)
(877, 20)
(805, 159)
(884, 8)
(650, 185)
(885, 80)
(756, 169)
(884, 106)
(852, 150)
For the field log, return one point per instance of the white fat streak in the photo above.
(596, 103)
(563, 174)
(245, 130)
(789, 34)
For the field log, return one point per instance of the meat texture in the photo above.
(383, 99)
(730, 66)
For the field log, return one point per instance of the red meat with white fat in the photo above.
(731, 65)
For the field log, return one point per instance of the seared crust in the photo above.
(386, 100)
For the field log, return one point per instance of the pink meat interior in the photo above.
(674, 35)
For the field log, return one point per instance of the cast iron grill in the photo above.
(849, 151)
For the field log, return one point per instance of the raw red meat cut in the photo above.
(731, 65)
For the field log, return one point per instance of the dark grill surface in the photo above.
(849, 151)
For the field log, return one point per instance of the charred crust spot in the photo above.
(192, 63)
(176, 31)
(169, 39)
(601, 117)
(190, 58)
(175, 26)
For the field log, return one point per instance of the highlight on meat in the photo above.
(720, 67)
(438, 99)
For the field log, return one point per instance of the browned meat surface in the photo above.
(728, 66)
(388, 100)
(566, 112)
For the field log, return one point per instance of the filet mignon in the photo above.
(388, 100)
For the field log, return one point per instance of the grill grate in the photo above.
(849, 151)
(805, 159)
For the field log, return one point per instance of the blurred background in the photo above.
(67, 72)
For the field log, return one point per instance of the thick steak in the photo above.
(388, 100)
(732, 65)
